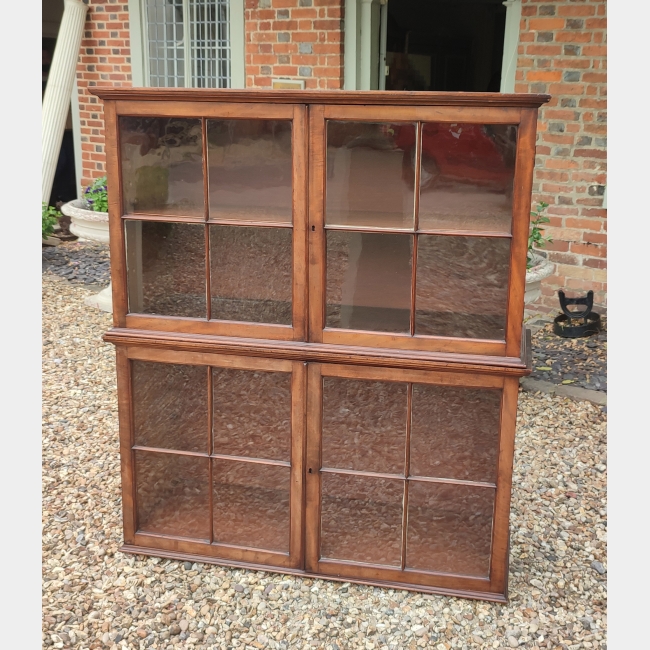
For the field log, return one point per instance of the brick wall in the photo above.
(562, 51)
(104, 59)
(298, 39)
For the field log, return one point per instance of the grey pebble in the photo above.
(598, 567)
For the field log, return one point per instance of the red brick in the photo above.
(545, 24)
(591, 250)
(594, 50)
(576, 10)
(594, 263)
(544, 75)
(584, 224)
(594, 237)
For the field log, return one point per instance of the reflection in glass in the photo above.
(250, 170)
(364, 425)
(251, 504)
(455, 432)
(462, 286)
(166, 268)
(361, 518)
(172, 494)
(370, 174)
(251, 413)
(250, 274)
(170, 406)
(162, 168)
(369, 281)
(467, 175)
(449, 528)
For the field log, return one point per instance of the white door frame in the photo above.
(365, 26)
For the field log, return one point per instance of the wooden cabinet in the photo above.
(318, 302)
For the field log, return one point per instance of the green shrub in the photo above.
(536, 237)
(50, 216)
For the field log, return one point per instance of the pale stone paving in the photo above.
(96, 597)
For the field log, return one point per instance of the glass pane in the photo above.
(467, 176)
(361, 518)
(449, 528)
(370, 174)
(364, 425)
(170, 406)
(251, 413)
(462, 286)
(455, 432)
(369, 281)
(162, 167)
(251, 504)
(250, 170)
(172, 494)
(250, 274)
(166, 268)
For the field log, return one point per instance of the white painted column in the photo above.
(510, 45)
(56, 102)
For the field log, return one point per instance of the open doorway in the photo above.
(450, 45)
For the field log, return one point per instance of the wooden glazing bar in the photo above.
(252, 224)
(421, 231)
(255, 461)
(423, 479)
(169, 218)
(416, 222)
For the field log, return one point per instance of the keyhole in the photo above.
(313, 228)
(310, 470)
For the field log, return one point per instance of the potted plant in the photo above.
(89, 215)
(538, 267)
(89, 221)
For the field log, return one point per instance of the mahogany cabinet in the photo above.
(318, 302)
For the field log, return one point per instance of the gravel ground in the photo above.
(577, 362)
(96, 597)
(79, 262)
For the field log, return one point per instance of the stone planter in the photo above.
(90, 226)
(540, 270)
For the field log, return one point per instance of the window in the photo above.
(187, 43)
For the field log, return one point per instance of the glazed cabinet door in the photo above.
(415, 228)
(402, 477)
(212, 209)
(215, 444)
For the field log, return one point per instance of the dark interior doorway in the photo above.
(445, 45)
